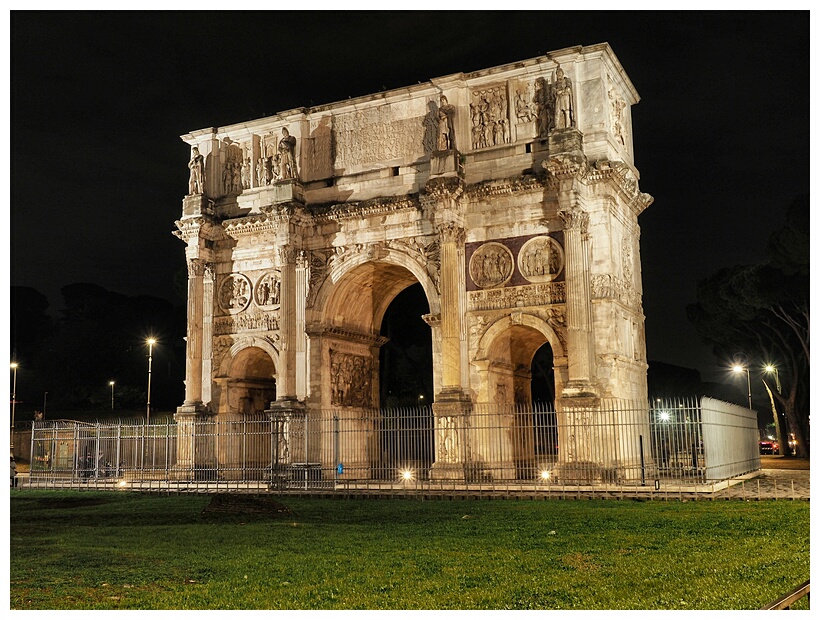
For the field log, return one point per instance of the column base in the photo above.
(447, 471)
(196, 458)
(585, 393)
(584, 473)
(192, 409)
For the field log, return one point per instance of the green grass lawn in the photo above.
(87, 550)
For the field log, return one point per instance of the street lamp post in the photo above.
(13, 366)
(738, 369)
(151, 342)
(111, 383)
(772, 369)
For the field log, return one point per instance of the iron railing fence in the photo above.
(505, 447)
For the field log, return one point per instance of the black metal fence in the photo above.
(615, 443)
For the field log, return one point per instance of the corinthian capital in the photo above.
(452, 233)
(196, 267)
(286, 255)
(574, 219)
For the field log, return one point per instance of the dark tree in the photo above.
(763, 311)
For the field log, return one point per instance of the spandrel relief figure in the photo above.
(287, 161)
(562, 89)
(196, 180)
(446, 131)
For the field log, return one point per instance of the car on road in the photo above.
(768, 447)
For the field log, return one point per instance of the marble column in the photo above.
(580, 344)
(286, 375)
(193, 364)
(452, 315)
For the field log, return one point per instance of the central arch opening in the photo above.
(406, 360)
(376, 356)
(406, 385)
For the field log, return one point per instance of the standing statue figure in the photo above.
(287, 162)
(246, 173)
(543, 107)
(196, 182)
(562, 93)
(446, 130)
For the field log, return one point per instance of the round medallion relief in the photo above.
(267, 290)
(491, 265)
(541, 259)
(234, 293)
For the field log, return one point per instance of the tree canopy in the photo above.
(762, 312)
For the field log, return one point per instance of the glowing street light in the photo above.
(111, 383)
(738, 368)
(13, 366)
(770, 368)
(150, 342)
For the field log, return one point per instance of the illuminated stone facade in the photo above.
(510, 194)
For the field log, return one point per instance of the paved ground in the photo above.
(780, 478)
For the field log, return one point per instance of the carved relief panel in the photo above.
(232, 156)
(489, 117)
(617, 116)
(491, 265)
(351, 378)
(515, 261)
(234, 293)
(267, 290)
(541, 259)
(384, 133)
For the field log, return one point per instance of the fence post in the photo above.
(119, 446)
(31, 458)
(336, 446)
(643, 462)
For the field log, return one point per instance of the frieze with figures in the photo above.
(351, 379)
(233, 156)
(265, 321)
(489, 117)
(518, 296)
(607, 286)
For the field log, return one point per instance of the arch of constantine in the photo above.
(509, 194)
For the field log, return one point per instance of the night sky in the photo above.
(99, 100)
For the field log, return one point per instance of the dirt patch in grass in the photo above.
(240, 504)
(72, 502)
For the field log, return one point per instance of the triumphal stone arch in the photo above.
(509, 194)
